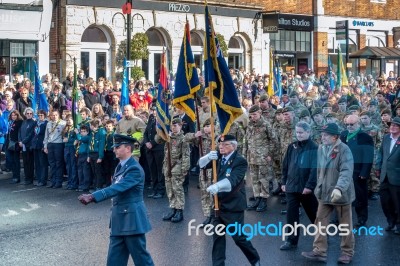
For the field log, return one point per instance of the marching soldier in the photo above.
(260, 148)
(239, 133)
(375, 115)
(295, 104)
(319, 122)
(267, 111)
(175, 167)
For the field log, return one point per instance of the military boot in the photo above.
(206, 221)
(254, 205)
(262, 206)
(168, 216)
(177, 217)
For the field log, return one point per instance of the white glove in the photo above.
(221, 186)
(336, 195)
(212, 155)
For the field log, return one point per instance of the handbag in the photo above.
(11, 145)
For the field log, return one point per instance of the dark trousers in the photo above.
(121, 246)
(28, 161)
(70, 162)
(310, 206)
(97, 170)
(390, 202)
(361, 202)
(55, 156)
(109, 164)
(84, 172)
(155, 162)
(15, 164)
(145, 165)
(41, 166)
(219, 245)
(9, 160)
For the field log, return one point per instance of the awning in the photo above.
(377, 53)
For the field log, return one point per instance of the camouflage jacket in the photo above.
(269, 115)
(287, 134)
(239, 132)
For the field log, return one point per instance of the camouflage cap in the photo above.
(288, 109)
(304, 113)
(264, 97)
(176, 121)
(317, 111)
(354, 108)
(386, 111)
(279, 111)
(254, 109)
(207, 122)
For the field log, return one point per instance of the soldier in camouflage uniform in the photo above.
(355, 110)
(305, 116)
(276, 126)
(386, 116)
(239, 133)
(267, 111)
(205, 177)
(287, 135)
(376, 134)
(319, 122)
(332, 118)
(375, 115)
(341, 113)
(326, 109)
(260, 148)
(174, 177)
(295, 103)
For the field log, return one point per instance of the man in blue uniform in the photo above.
(129, 221)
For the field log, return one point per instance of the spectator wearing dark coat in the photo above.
(23, 102)
(40, 158)
(91, 97)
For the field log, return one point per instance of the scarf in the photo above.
(352, 135)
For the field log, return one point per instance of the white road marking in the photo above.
(33, 206)
(23, 190)
(54, 205)
(10, 213)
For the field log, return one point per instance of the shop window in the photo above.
(17, 49)
(155, 37)
(30, 49)
(4, 48)
(287, 40)
(195, 39)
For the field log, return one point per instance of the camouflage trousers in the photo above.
(175, 193)
(373, 181)
(206, 198)
(261, 175)
(278, 170)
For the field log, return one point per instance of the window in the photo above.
(287, 40)
(93, 34)
(17, 49)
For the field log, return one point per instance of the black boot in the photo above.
(252, 198)
(277, 190)
(206, 221)
(262, 206)
(168, 216)
(254, 205)
(177, 217)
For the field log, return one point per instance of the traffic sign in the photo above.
(341, 30)
(130, 63)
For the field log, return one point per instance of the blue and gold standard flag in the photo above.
(39, 97)
(187, 81)
(163, 101)
(125, 85)
(219, 80)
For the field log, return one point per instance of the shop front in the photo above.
(290, 38)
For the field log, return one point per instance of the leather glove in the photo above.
(336, 195)
(86, 198)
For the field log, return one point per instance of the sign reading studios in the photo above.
(274, 22)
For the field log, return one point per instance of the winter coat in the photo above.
(335, 170)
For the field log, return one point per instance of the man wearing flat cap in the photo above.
(231, 192)
(129, 221)
(260, 148)
(334, 191)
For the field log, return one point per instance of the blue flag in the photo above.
(187, 81)
(277, 79)
(218, 80)
(39, 97)
(124, 88)
(330, 75)
(163, 101)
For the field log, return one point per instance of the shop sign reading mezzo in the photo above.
(174, 7)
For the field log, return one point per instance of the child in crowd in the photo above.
(110, 161)
(82, 154)
(96, 152)
(69, 137)
(85, 115)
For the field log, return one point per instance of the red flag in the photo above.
(163, 72)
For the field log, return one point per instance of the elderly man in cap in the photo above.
(260, 147)
(388, 169)
(334, 191)
(129, 221)
(231, 193)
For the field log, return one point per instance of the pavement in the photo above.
(42, 226)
